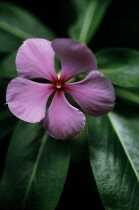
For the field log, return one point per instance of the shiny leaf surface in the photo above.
(115, 161)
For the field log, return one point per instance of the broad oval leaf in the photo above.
(89, 16)
(16, 25)
(115, 161)
(127, 130)
(120, 65)
(35, 170)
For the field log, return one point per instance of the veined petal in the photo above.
(27, 100)
(95, 94)
(35, 59)
(75, 57)
(63, 121)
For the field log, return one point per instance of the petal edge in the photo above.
(62, 120)
(35, 59)
(27, 100)
(95, 94)
(75, 57)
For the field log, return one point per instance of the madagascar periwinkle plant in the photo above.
(69, 106)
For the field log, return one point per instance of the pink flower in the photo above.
(27, 99)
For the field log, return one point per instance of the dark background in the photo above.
(119, 28)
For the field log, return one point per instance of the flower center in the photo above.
(58, 85)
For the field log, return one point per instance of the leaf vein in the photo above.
(123, 145)
(34, 170)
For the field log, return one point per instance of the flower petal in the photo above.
(75, 58)
(27, 100)
(35, 59)
(62, 120)
(95, 94)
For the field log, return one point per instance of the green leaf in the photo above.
(120, 65)
(115, 161)
(16, 25)
(126, 128)
(89, 16)
(8, 41)
(35, 171)
(7, 66)
(127, 94)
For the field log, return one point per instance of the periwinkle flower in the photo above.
(27, 99)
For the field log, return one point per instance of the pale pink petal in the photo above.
(95, 94)
(35, 59)
(75, 58)
(27, 100)
(62, 120)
